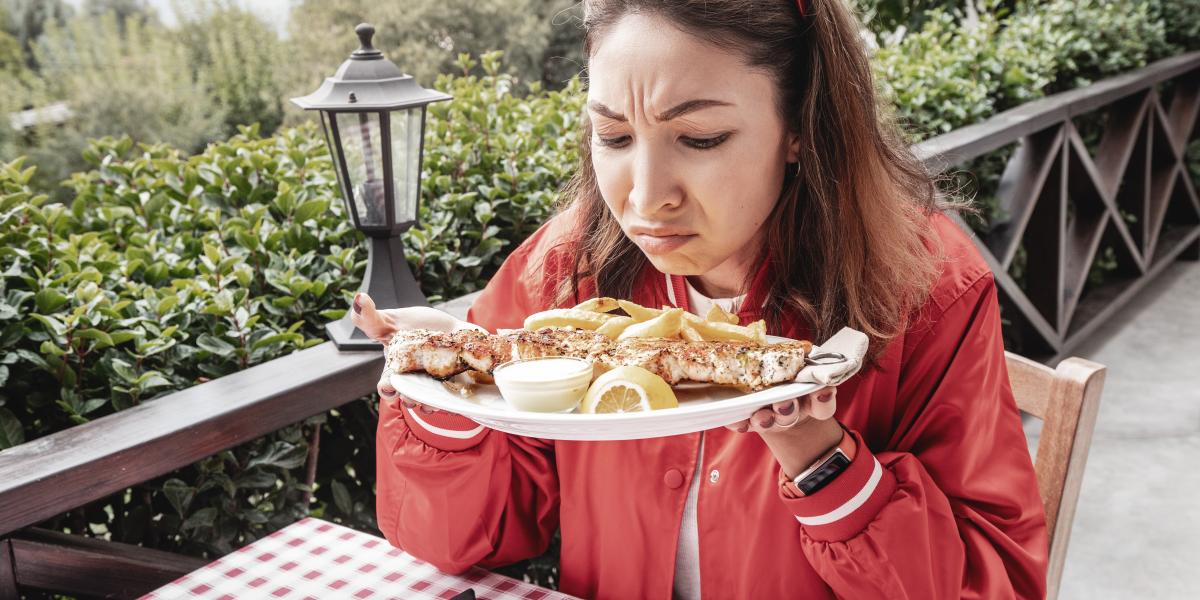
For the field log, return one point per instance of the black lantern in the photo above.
(374, 120)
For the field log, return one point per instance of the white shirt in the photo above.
(687, 554)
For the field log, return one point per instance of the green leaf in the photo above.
(54, 325)
(179, 494)
(11, 432)
(212, 254)
(294, 338)
(215, 345)
(123, 370)
(256, 478)
(92, 405)
(204, 517)
(310, 209)
(150, 380)
(341, 497)
(166, 304)
(280, 454)
(49, 300)
(103, 340)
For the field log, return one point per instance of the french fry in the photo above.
(665, 325)
(718, 332)
(600, 305)
(689, 333)
(637, 311)
(567, 317)
(615, 326)
(759, 328)
(717, 314)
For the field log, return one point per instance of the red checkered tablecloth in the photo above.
(318, 560)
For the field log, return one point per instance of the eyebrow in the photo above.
(677, 111)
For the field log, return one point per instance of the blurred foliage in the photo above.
(541, 39)
(122, 78)
(958, 68)
(26, 20)
(237, 58)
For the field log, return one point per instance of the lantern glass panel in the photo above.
(337, 168)
(406, 161)
(363, 152)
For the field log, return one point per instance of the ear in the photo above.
(793, 148)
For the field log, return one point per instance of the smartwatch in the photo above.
(822, 472)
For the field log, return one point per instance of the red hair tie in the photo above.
(803, 5)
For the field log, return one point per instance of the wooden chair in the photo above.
(1067, 400)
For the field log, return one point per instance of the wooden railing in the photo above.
(1138, 169)
(1063, 202)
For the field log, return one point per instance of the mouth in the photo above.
(660, 240)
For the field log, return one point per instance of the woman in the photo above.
(734, 155)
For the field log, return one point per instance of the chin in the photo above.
(675, 264)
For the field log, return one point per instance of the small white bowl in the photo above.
(546, 384)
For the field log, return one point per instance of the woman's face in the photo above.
(687, 145)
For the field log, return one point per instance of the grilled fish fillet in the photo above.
(742, 364)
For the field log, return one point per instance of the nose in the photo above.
(655, 185)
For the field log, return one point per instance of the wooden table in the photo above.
(321, 560)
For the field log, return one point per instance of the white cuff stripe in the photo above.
(450, 433)
(670, 290)
(852, 504)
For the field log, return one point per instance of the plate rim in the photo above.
(399, 380)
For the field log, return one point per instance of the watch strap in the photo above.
(823, 471)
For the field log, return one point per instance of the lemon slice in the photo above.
(628, 389)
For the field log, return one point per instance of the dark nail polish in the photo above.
(357, 304)
(787, 409)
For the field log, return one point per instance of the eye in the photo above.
(613, 142)
(706, 143)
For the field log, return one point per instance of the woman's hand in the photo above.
(798, 431)
(381, 325)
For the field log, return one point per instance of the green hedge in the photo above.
(166, 271)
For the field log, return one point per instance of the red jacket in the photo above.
(940, 502)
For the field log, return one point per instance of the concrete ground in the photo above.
(1137, 529)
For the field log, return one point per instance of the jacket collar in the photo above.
(673, 288)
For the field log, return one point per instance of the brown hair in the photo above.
(849, 233)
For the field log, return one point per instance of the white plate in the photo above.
(700, 407)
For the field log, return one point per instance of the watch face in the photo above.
(827, 472)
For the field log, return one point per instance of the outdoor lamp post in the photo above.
(374, 120)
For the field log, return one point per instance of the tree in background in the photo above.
(120, 78)
(238, 58)
(27, 19)
(425, 37)
(123, 10)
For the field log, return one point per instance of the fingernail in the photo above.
(826, 397)
(786, 409)
(358, 303)
(387, 393)
(742, 429)
(426, 410)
